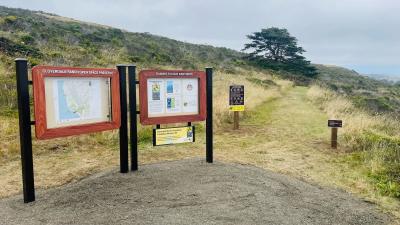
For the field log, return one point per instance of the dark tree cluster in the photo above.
(275, 48)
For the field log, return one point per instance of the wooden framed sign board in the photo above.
(70, 101)
(172, 96)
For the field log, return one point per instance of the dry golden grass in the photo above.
(372, 141)
(355, 121)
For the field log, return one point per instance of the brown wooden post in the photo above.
(334, 137)
(235, 120)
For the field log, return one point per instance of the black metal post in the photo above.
(25, 135)
(123, 130)
(133, 117)
(209, 121)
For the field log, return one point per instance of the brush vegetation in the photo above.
(365, 93)
(373, 140)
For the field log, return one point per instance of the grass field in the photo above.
(289, 135)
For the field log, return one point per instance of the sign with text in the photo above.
(170, 96)
(236, 98)
(176, 135)
(335, 123)
(70, 101)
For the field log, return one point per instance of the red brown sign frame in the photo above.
(175, 74)
(41, 72)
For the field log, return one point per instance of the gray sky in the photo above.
(359, 34)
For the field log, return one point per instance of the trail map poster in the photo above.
(172, 96)
(70, 101)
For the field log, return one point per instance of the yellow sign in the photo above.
(236, 107)
(167, 136)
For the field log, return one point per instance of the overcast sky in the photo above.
(358, 34)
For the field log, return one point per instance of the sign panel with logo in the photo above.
(175, 135)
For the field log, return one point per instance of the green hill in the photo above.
(54, 40)
(50, 39)
(365, 92)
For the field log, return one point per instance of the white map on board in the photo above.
(77, 99)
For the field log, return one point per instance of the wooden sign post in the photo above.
(334, 124)
(236, 103)
(235, 120)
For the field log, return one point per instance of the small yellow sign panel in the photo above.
(236, 108)
(176, 135)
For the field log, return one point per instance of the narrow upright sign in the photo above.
(334, 124)
(236, 98)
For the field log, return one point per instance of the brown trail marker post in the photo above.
(236, 103)
(235, 120)
(334, 124)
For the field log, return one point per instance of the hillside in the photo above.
(384, 77)
(367, 93)
(50, 39)
(54, 40)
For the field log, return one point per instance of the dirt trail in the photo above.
(191, 192)
(289, 135)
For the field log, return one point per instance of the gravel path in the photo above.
(191, 192)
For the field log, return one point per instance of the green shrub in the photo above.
(265, 83)
(27, 39)
(10, 19)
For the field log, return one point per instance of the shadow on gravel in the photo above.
(190, 192)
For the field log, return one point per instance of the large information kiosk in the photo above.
(72, 101)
